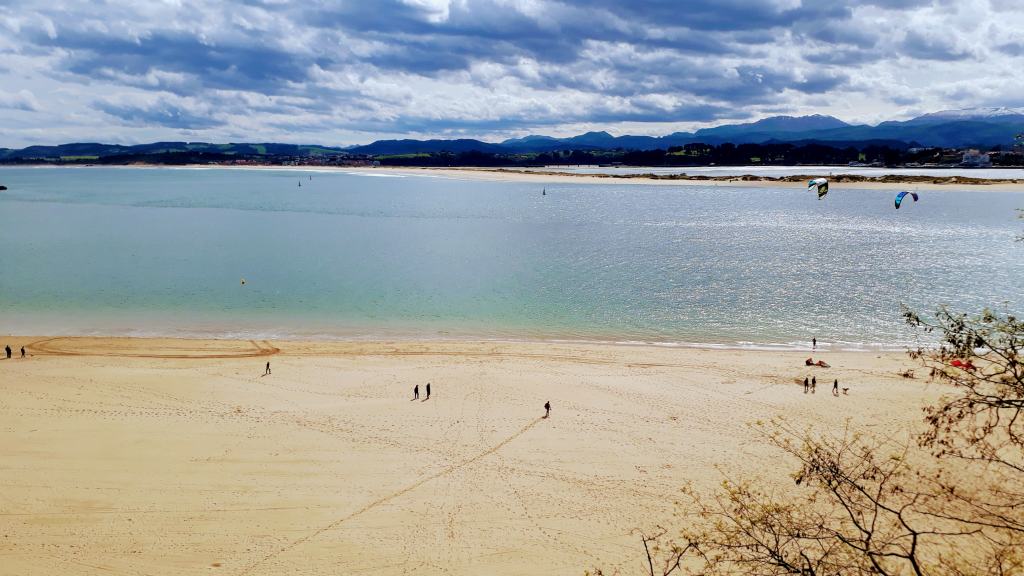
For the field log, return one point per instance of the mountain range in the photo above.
(977, 127)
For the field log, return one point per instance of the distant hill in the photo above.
(988, 115)
(979, 127)
(774, 128)
(93, 150)
(532, 143)
(390, 147)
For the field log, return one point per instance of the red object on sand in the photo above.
(963, 365)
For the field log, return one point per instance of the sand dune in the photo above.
(128, 456)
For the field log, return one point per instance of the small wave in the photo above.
(370, 335)
(375, 175)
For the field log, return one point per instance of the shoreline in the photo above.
(44, 342)
(953, 183)
(405, 339)
(843, 181)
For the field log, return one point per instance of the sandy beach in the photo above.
(518, 175)
(179, 457)
(544, 176)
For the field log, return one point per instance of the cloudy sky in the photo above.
(351, 72)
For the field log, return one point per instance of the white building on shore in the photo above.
(976, 159)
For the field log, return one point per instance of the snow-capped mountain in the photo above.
(977, 114)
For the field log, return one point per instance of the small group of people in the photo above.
(9, 352)
(416, 396)
(416, 392)
(415, 389)
(812, 386)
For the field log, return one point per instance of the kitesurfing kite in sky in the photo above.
(901, 195)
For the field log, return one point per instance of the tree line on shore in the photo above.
(695, 154)
(780, 154)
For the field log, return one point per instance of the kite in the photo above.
(819, 185)
(901, 195)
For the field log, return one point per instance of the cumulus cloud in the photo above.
(346, 71)
(933, 47)
(20, 100)
(166, 111)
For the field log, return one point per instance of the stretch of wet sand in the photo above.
(518, 175)
(179, 457)
(553, 177)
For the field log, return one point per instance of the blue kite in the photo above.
(899, 197)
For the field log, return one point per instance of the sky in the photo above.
(350, 72)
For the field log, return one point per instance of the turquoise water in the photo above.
(161, 252)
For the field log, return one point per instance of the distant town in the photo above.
(697, 154)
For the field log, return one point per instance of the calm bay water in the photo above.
(162, 251)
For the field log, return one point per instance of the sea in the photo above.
(329, 254)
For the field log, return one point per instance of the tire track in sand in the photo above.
(385, 499)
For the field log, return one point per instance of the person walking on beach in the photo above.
(807, 385)
(547, 409)
(416, 392)
(814, 343)
(814, 384)
(428, 391)
(835, 387)
(8, 350)
(267, 371)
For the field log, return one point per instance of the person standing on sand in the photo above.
(814, 343)
(8, 350)
(547, 409)
(267, 371)
(416, 392)
(814, 384)
(806, 385)
(835, 387)
(22, 351)
(428, 391)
